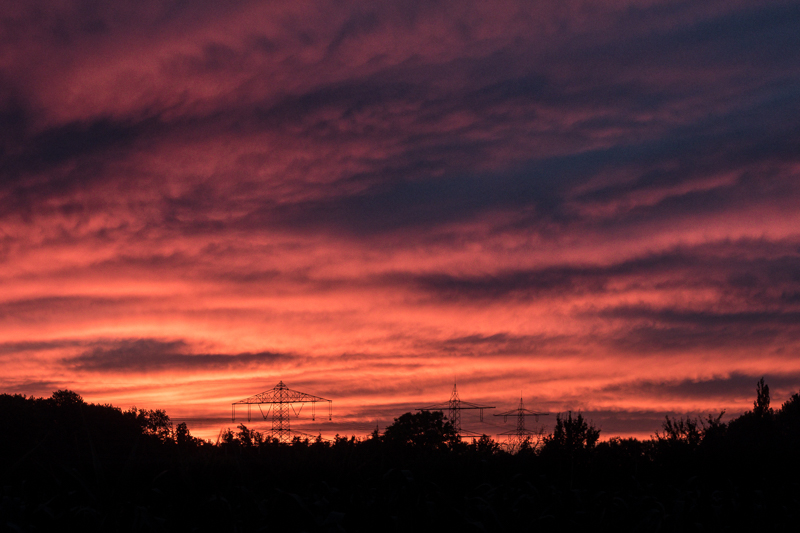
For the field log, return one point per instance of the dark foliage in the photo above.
(571, 435)
(67, 464)
(570, 445)
(425, 430)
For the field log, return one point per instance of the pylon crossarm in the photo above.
(533, 413)
(516, 433)
(288, 397)
(463, 405)
(440, 407)
(517, 412)
(469, 405)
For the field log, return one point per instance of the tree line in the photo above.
(98, 467)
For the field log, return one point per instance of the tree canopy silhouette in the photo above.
(97, 468)
(425, 430)
(572, 434)
(761, 406)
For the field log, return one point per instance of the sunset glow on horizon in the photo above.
(592, 205)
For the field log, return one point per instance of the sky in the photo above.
(589, 205)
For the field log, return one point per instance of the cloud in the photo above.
(39, 389)
(500, 344)
(149, 355)
(708, 318)
(35, 346)
(709, 266)
(541, 195)
(717, 389)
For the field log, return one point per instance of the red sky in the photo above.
(594, 205)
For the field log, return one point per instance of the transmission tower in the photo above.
(516, 437)
(454, 407)
(280, 401)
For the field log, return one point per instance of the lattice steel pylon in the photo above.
(281, 400)
(516, 437)
(454, 407)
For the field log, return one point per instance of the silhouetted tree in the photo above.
(427, 430)
(571, 442)
(686, 432)
(66, 398)
(227, 439)
(154, 422)
(761, 406)
(713, 426)
(788, 417)
(752, 437)
(622, 457)
(319, 443)
(571, 434)
(249, 437)
(787, 420)
(485, 445)
(184, 438)
(791, 408)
